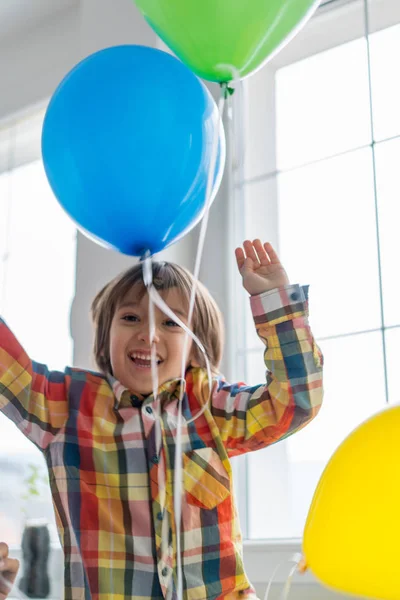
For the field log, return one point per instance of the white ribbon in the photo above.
(296, 559)
(156, 300)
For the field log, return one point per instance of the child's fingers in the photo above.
(9, 567)
(274, 258)
(261, 253)
(240, 258)
(8, 570)
(3, 550)
(250, 252)
(8, 574)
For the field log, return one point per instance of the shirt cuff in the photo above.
(280, 304)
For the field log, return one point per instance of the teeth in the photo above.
(143, 356)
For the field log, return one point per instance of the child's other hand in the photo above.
(8, 570)
(260, 267)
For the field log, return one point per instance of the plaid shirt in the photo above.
(113, 492)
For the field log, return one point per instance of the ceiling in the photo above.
(18, 16)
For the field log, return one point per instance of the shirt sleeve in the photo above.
(250, 418)
(33, 397)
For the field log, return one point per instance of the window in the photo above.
(321, 181)
(37, 283)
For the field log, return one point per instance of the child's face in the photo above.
(130, 341)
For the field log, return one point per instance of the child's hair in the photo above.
(207, 321)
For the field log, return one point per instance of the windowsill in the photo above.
(262, 557)
(273, 545)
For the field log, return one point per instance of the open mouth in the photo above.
(143, 361)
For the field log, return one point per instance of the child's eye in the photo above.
(171, 323)
(130, 318)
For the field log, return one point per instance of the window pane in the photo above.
(354, 386)
(255, 366)
(269, 494)
(39, 272)
(392, 338)
(291, 469)
(322, 105)
(328, 240)
(261, 212)
(385, 74)
(253, 342)
(17, 454)
(388, 188)
(40, 269)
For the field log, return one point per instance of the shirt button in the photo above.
(164, 572)
(155, 459)
(159, 516)
(294, 296)
(135, 401)
(149, 409)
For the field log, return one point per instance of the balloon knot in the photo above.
(302, 566)
(145, 254)
(147, 268)
(227, 90)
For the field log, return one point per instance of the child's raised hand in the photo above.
(260, 267)
(8, 570)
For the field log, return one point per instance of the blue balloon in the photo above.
(127, 144)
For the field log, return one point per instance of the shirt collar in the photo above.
(172, 387)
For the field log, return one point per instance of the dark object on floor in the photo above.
(35, 581)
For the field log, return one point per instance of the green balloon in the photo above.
(221, 39)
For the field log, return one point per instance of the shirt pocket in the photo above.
(205, 479)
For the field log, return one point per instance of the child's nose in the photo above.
(144, 335)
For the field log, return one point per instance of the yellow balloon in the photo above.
(352, 534)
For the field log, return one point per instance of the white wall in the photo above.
(33, 62)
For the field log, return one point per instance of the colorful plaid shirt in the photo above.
(113, 491)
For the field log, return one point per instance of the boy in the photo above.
(112, 485)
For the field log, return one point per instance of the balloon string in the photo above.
(297, 559)
(202, 236)
(200, 248)
(155, 299)
(148, 281)
(238, 122)
(163, 306)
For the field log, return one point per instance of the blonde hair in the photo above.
(207, 321)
